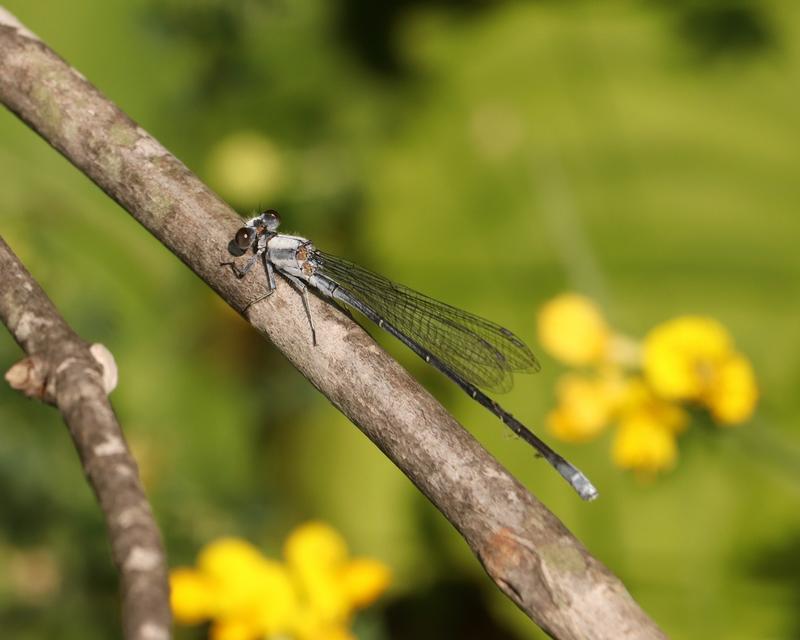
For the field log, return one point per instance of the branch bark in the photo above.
(63, 370)
(524, 548)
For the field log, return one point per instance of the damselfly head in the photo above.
(271, 219)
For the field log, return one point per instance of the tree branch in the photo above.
(524, 548)
(63, 370)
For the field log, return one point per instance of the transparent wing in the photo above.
(480, 351)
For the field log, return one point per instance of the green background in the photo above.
(491, 154)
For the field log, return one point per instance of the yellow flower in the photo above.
(573, 330)
(585, 406)
(250, 597)
(693, 358)
(643, 443)
(690, 360)
(733, 393)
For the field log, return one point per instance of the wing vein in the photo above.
(479, 350)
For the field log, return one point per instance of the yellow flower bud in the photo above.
(572, 329)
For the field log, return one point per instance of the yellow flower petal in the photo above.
(733, 394)
(680, 356)
(572, 329)
(316, 553)
(325, 594)
(275, 602)
(192, 595)
(228, 558)
(364, 580)
(307, 625)
(317, 545)
(644, 444)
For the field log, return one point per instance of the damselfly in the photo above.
(473, 352)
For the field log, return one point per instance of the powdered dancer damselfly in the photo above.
(471, 351)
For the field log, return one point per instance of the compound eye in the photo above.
(272, 219)
(244, 237)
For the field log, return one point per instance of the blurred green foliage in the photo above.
(491, 154)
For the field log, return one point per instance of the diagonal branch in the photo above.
(524, 548)
(63, 370)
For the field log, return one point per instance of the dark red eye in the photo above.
(244, 237)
